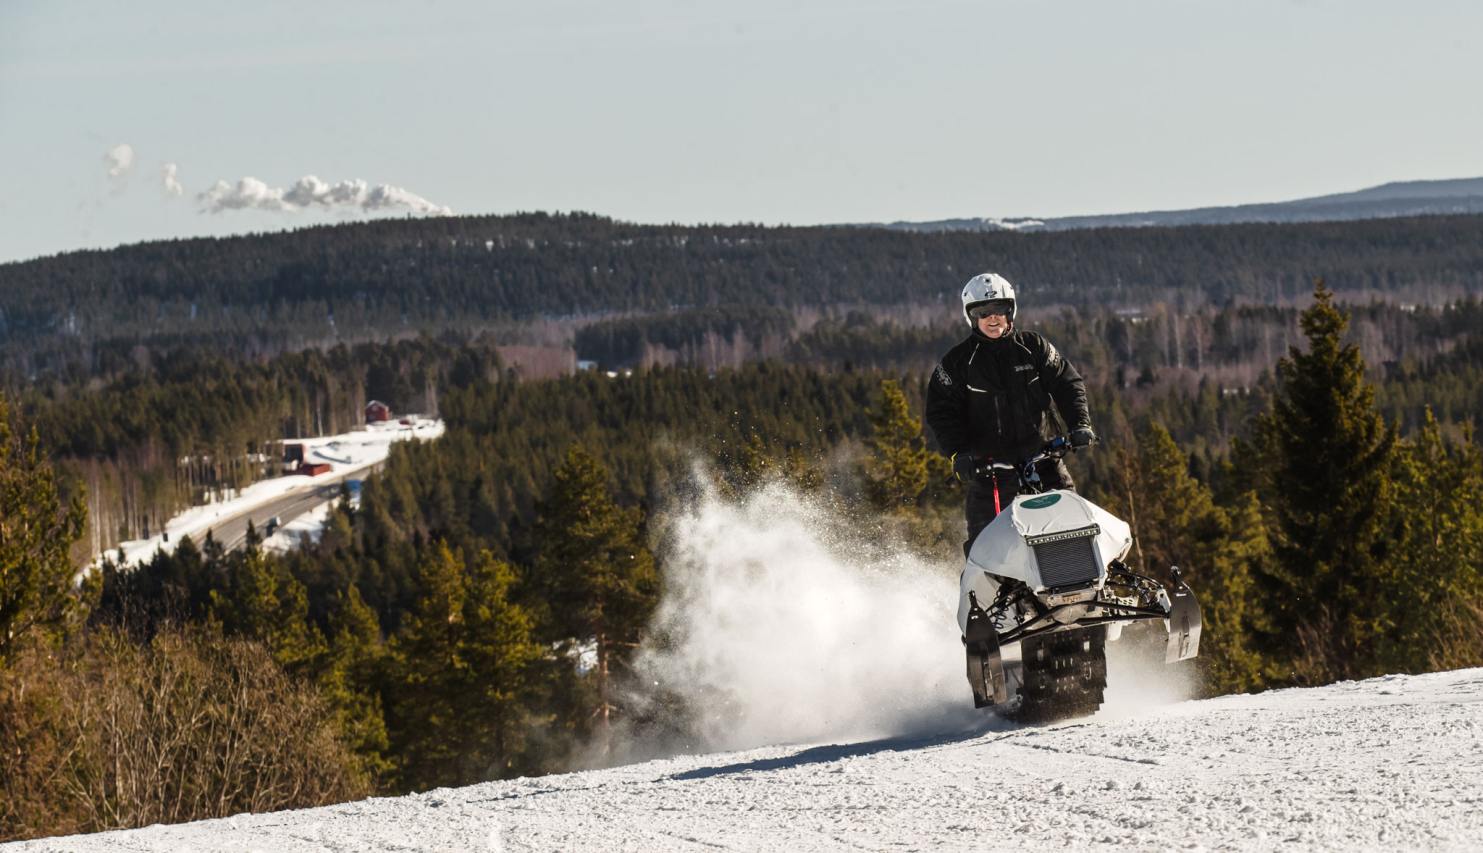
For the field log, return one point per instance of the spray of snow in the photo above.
(119, 159)
(170, 180)
(784, 620)
(1138, 680)
(309, 192)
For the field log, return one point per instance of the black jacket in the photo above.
(992, 397)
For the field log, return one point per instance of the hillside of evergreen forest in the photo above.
(1305, 451)
(171, 428)
(536, 278)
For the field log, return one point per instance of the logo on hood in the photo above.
(1041, 502)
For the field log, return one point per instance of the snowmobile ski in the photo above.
(985, 663)
(1184, 622)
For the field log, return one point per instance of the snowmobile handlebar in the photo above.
(1056, 448)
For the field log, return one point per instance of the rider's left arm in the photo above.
(1065, 385)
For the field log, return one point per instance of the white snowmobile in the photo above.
(1044, 589)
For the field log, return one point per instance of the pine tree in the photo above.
(349, 682)
(1325, 481)
(429, 668)
(262, 601)
(598, 575)
(1233, 612)
(37, 529)
(1437, 565)
(1176, 517)
(465, 666)
(501, 655)
(897, 470)
(1176, 522)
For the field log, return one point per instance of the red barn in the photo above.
(377, 411)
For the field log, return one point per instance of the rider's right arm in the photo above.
(947, 410)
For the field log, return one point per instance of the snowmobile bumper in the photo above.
(985, 662)
(1184, 623)
(1182, 620)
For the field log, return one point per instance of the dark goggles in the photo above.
(1002, 307)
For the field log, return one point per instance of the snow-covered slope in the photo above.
(1388, 764)
(792, 621)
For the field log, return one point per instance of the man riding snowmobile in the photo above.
(1044, 586)
(991, 398)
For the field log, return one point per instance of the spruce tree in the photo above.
(37, 528)
(1325, 482)
(598, 575)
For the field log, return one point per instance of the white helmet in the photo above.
(988, 287)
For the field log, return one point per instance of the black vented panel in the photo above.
(1067, 562)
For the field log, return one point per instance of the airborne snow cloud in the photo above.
(309, 192)
(785, 621)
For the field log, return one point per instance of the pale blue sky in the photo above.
(667, 111)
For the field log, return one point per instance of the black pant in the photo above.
(978, 504)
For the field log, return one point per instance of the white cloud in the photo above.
(169, 175)
(311, 192)
(119, 160)
(248, 194)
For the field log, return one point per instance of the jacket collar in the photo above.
(980, 338)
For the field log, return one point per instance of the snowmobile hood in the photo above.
(1052, 512)
(1002, 548)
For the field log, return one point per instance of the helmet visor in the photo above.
(1001, 307)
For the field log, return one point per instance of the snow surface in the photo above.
(1389, 763)
(785, 622)
(292, 534)
(348, 453)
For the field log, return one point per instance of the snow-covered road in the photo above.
(349, 454)
(1394, 763)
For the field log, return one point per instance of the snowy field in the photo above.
(347, 454)
(1388, 764)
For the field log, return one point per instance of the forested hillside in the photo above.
(182, 426)
(86, 311)
(475, 617)
(173, 427)
(1308, 455)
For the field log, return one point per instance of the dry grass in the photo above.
(1458, 643)
(111, 735)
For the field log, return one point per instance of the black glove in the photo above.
(964, 465)
(1083, 437)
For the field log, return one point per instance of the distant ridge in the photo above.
(1401, 198)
